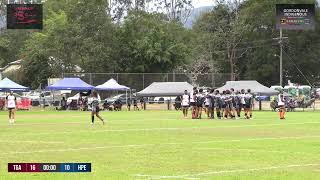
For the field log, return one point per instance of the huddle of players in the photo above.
(226, 104)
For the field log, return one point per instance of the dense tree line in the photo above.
(235, 37)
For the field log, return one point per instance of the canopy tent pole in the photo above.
(260, 103)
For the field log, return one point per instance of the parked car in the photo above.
(44, 98)
(262, 98)
(161, 100)
(76, 98)
(122, 97)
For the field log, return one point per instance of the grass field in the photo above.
(162, 145)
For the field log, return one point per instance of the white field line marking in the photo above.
(30, 124)
(254, 150)
(41, 142)
(85, 122)
(226, 171)
(147, 145)
(164, 129)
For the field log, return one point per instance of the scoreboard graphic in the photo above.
(295, 16)
(24, 16)
(48, 167)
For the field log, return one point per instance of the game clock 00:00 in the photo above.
(49, 167)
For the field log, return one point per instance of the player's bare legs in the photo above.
(98, 116)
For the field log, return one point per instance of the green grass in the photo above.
(162, 145)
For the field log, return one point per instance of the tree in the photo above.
(225, 31)
(175, 10)
(243, 35)
(149, 43)
(71, 39)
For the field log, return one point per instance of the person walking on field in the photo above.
(11, 102)
(95, 108)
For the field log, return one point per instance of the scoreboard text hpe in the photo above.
(49, 167)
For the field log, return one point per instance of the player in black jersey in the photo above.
(218, 103)
(95, 107)
(211, 105)
(194, 104)
(200, 102)
(228, 105)
(223, 103)
(233, 108)
(238, 105)
(248, 98)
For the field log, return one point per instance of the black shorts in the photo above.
(200, 105)
(248, 106)
(185, 107)
(238, 106)
(96, 109)
(223, 106)
(192, 103)
(11, 109)
(207, 106)
(229, 106)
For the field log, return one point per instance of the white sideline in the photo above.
(225, 171)
(255, 150)
(167, 129)
(146, 145)
(41, 142)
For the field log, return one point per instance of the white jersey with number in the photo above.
(242, 96)
(11, 101)
(185, 100)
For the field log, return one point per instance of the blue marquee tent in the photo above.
(7, 85)
(70, 84)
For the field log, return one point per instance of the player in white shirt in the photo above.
(185, 103)
(281, 105)
(242, 102)
(11, 102)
